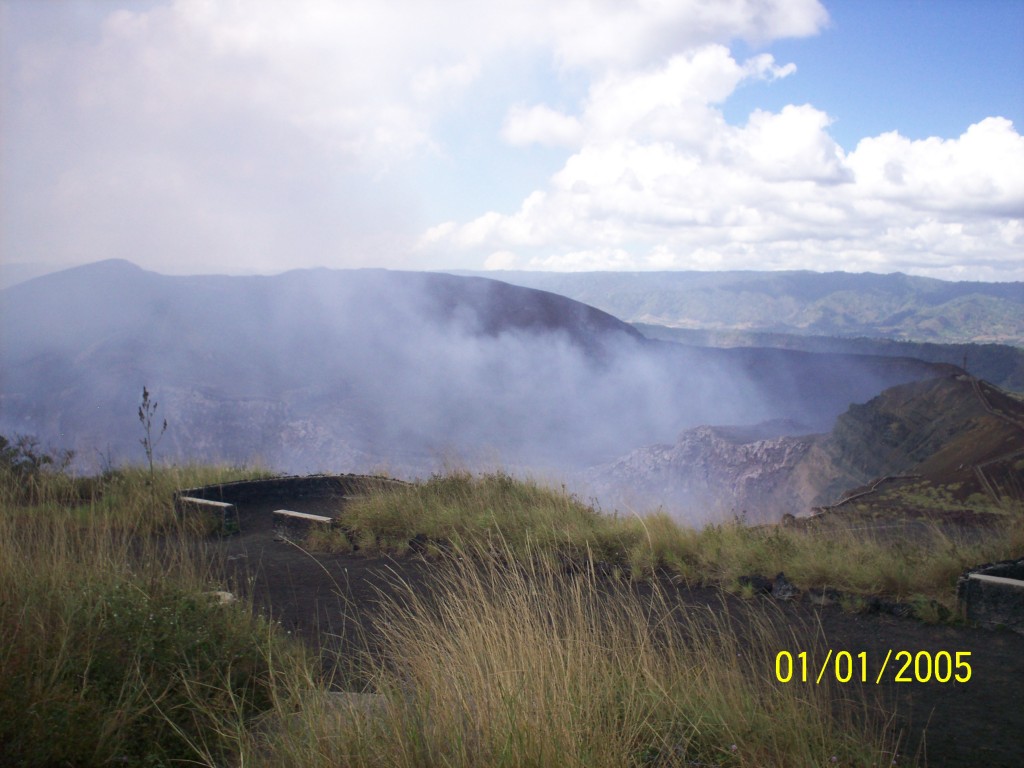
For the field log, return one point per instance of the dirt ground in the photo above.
(328, 600)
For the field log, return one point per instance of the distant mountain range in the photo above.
(893, 306)
(1001, 364)
(358, 370)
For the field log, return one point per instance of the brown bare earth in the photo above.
(329, 602)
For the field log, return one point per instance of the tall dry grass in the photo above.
(505, 662)
(112, 650)
(465, 511)
(524, 648)
(855, 559)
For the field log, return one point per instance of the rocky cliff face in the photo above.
(942, 429)
(708, 475)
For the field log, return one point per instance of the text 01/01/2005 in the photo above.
(845, 667)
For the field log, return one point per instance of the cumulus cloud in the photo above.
(626, 35)
(791, 145)
(541, 125)
(982, 171)
(265, 134)
(662, 181)
(192, 135)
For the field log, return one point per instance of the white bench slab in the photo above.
(290, 525)
(225, 514)
(993, 601)
(1012, 583)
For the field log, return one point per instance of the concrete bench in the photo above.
(290, 526)
(225, 515)
(994, 596)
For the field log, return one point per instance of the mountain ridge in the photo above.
(896, 306)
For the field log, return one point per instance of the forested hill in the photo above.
(894, 306)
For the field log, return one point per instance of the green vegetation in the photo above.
(147, 410)
(467, 511)
(28, 472)
(837, 304)
(538, 640)
(923, 494)
(461, 510)
(112, 648)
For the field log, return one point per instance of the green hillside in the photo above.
(894, 306)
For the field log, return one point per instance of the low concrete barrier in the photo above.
(992, 595)
(290, 488)
(223, 514)
(222, 498)
(290, 526)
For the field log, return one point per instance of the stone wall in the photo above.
(992, 595)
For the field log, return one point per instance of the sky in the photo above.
(197, 136)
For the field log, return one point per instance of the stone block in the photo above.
(993, 595)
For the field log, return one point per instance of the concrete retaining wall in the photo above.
(290, 488)
(992, 595)
(223, 515)
(296, 526)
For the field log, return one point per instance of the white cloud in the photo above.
(584, 260)
(791, 145)
(636, 33)
(366, 77)
(262, 134)
(501, 260)
(318, 68)
(436, 81)
(982, 171)
(540, 124)
(662, 181)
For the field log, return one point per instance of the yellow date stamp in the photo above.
(848, 667)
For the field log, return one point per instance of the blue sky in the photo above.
(922, 67)
(261, 136)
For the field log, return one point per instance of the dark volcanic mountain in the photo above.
(372, 369)
(949, 431)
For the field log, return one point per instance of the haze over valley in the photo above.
(409, 373)
(553, 238)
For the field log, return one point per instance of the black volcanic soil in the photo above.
(328, 601)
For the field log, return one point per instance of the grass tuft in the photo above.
(112, 650)
(548, 634)
(464, 511)
(531, 665)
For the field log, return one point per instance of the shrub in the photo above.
(30, 474)
(461, 509)
(110, 647)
